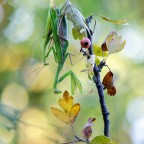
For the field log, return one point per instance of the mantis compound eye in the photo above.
(85, 43)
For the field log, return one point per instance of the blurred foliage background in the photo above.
(26, 92)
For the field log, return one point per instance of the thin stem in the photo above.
(99, 86)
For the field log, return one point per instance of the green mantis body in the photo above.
(57, 30)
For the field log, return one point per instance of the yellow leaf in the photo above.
(120, 22)
(60, 115)
(74, 112)
(67, 102)
(98, 51)
(123, 21)
(70, 110)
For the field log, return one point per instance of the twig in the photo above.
(99, 86)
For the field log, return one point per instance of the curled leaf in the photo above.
(113, 43)
(87, 130)
(80, 27)
(120, 22)
(70, 110)
(108, 83)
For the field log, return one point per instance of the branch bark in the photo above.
(99, 86)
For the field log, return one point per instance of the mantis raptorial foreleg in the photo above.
(70, 57)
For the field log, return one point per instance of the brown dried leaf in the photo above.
(108, 83)
(111, 91)
(104, 46)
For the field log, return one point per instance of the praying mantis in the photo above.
(56, 31)
(56, 40)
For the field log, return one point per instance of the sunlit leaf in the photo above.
(97, 61)
(87, 130)
(98, 51)
(113, 43)
(80, 27)
(108, 83)
(74, 112)
(120, 22)
(60, 115)
(67, 102)
(71, 110)
(101, 140)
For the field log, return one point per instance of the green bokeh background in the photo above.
(28, 90)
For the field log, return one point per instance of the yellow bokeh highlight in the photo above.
(11, 57)
(15, 95)
(36, 128)
(38, 78)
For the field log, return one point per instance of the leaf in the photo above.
(111, 91)
(113, 43)
(120, 22)
(98, 51)
(70, 110)
(80, 27)
(87, 130)
(74, 112)
(108, 83)
(97, 61)
(67, 102)
(101, 140)
(60, 115)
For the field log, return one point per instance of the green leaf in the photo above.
(98, 51)
(97, 61)
(101, 140)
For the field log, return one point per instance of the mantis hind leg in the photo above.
(75, 83)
